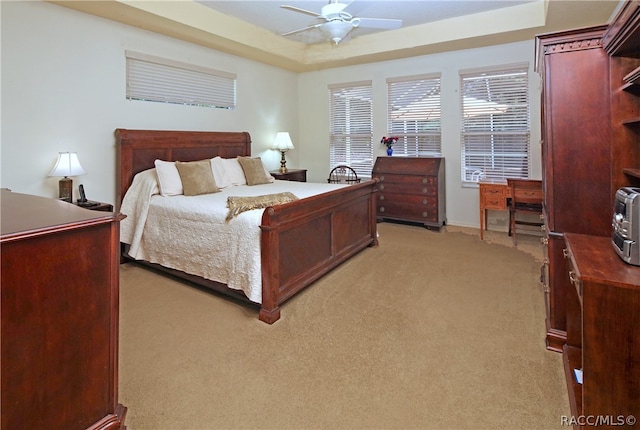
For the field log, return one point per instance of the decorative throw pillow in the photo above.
(197, 177)
(253, 170)
(168, 178)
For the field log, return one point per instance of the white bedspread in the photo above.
(189, 233)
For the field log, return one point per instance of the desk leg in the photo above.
(482, 221)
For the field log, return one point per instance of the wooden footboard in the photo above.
(304, 239)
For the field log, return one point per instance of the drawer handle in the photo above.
(381, 197)
(381, 178)
(543, 228)
(573, 277)
(544, 240)
(424, 214)
(425, 180)
(381, 208)
(565, 252)
(381, 187)
(425, 190)
(424, 201)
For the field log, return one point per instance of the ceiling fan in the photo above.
(337, 23)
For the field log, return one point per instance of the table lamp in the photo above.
(67, 165)
(282, 143)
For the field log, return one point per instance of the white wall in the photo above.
(63, 89)
(462, 203)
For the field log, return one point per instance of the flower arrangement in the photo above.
(388, 141)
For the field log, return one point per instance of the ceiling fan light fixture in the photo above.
(336, 30)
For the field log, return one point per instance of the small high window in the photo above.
(161, 80)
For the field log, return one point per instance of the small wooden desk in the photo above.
(493, 195)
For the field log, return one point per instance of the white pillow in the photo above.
(168, 178)
(233, 173)
(217, 166)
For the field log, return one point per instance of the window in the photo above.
(161, 80)
(351, 127)
(413, 115)
(495, 124)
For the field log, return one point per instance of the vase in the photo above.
(389, 151)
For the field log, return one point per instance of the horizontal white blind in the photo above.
(495, 124)
(160, 80)
(414, 115)
(351, 127)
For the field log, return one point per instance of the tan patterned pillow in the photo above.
(197, 177)
(254, 170)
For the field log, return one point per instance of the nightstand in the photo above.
(96, 206)
(299, 175)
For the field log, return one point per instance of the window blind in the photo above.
(351, 126)
(413, 115)
(160, 80)
(495, 124)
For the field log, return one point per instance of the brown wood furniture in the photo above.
(301, 240)
(59, 299)
(343, 175)
(603, 332)
(493, 195)
(526, 198)
(591, 116)
(411, 189)
(299, 175)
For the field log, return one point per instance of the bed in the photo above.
(299, 241)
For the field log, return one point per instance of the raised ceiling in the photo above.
(252, 29)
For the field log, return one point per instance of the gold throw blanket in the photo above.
(237, 205)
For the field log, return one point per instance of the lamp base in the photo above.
(65, 187)
(283, 163)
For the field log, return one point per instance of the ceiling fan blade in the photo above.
(387, 24)
(300, 30)
(297, 9)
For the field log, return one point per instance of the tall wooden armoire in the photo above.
(588, 151)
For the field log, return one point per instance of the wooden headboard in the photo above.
(138, 149)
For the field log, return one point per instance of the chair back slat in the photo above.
(343, 175)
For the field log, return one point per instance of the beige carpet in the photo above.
(427, 331)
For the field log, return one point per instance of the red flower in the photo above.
(388, 141)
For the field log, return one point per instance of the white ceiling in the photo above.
(268, 13)
(251, 28)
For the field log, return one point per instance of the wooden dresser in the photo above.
(411, 189)
(59, 314)
(603, 332)
(590, 148)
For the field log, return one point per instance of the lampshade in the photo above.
(336, 30)
(282, 142)
(67, 165)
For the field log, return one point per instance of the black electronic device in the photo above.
(83, 197)
(82, 201)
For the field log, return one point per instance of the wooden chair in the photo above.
(343, 175)
(526, 197)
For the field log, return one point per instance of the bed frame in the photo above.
(301, 240)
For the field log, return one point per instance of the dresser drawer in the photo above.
(494, 202)
(419, 208)
(407, 179)
(415, 188)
